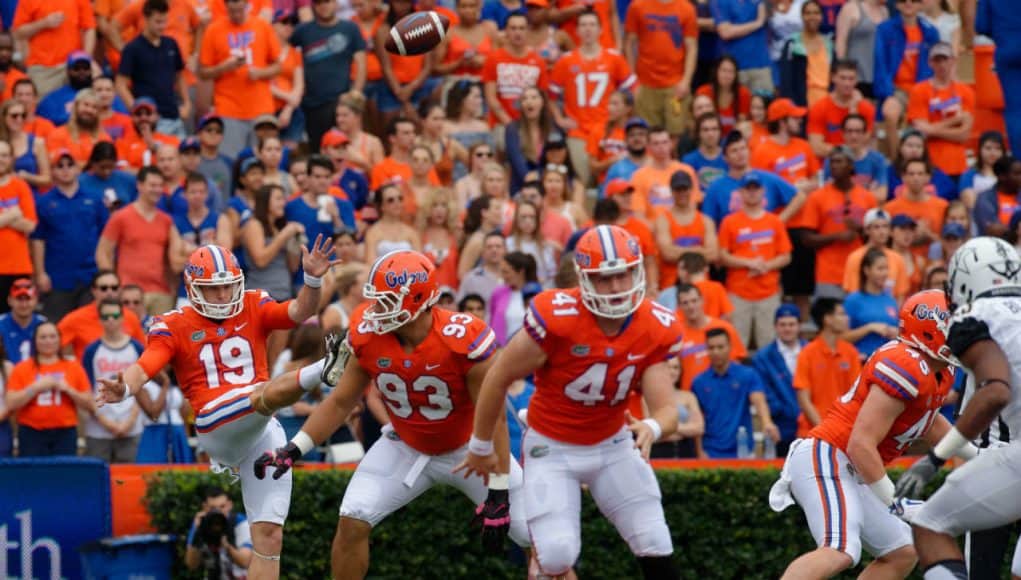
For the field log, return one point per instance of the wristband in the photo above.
(313, 281)
(968, 452)
(657, 430)
(948, 446)
(479, 447)
(499, 481)
(303, 442)
(884, 489)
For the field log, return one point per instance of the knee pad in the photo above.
(651, 541)
(557, 554)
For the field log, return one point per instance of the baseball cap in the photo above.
(143, 103)
(842, 150)
(874, 215)
(285, 16)
(209, 118)
(189, 144)
(680, 180)
(77, 57)
(266, 119)
(556, 139)
(22, 287)
(750, 179)
(941, 50)
(618, 187)
(954, 230)
(635, 122)
(903, 220)
(447, 291)
(537, 3)
(59, 154)
(333, 138)
(786, 310)
(783, 108)
(249, 164)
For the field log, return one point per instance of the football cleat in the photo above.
(338, 351)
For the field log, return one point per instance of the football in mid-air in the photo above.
(417, 33)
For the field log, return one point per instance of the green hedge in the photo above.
(721, 523)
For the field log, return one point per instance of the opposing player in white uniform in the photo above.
(984, 292)
(589, 347)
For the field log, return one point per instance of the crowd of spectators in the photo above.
(792, 170)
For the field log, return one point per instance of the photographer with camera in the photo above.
(219, 541)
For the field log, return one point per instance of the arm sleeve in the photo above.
(112, 231)
(882, 79)
(512, 142)
(347, 212)
(535, 324)
(159, 353)
(273, 315)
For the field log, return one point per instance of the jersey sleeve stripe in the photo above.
(534, 331)
(904, 373)
(629, 82)
(534, 319)
(490, 338)
(160, 333)
(265, 300)
(481, 337)
(895, 380)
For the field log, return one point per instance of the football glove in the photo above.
(913, 481)
(493, 518)
(282, 460)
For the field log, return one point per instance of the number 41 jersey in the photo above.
(581, 392)
(425, 390)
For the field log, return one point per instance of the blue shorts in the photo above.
(387, 102)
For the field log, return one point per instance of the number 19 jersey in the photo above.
(425, 390)
(581, 391)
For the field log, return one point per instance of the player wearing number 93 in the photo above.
(428, 365)
(216, 347)
(588, 347)
(837, 473)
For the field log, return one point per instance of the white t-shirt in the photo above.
(101, 361)
(171, 414)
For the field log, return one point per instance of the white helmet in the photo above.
(982, 267)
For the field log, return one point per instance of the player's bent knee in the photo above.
(267, 538)
(352, 532)
(903, 558)
(557, 554)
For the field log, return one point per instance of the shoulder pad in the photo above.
(465, 334)
(358, 331)
(553, 311)
(899, 370)
(965, 331)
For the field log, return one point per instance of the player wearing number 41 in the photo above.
(837, 473)
(428, 365)
(588, 347)
(217, 348)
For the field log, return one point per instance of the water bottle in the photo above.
(323, 216)
(744, 443)
(769, 451)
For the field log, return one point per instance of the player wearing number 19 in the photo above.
(588, 347)
(217, 348)
(837, 474)
(428, 365)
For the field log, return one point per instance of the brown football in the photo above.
(417, 33)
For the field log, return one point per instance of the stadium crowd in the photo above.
(791, 169)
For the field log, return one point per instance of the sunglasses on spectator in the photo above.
(558, 167)
(131, 302)
(110, 316)
(108, 287)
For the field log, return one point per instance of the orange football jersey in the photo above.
(581, 391)
(425, 390)
(586, 86)
(902, 373)
(211, 357)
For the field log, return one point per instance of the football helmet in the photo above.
(401, 285)
(983, 266)
(214, 265)
(605, 251)
(923, 324)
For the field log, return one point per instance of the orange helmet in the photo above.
(923, 324)
(606, 251)
(403, 286)
(214, 265)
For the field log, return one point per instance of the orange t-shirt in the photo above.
(729, 115)
(762, 237)
(512, 75)
(406, 68)
(132, 149)
(652, 188)
(601, 7)
(141, 247)
(234, 94)
(49, 409)
(12, 76)
(389, 169)
(662, 28)
(81, 327)
(715, 302)
(218, 8)
(14, 255)
(695, 358)
(602, 146)
(827, 374)
(50, 46)
(792, 162)
(585, 85)
(824, 212)
(40, 127)
(373, 70)
(641, 231)
(182, 22)
(685, 236)
(826, 118)
(897, 281)
(928, 212)
(284, 81)
(928, 103)
(908, 71)
(1007, 204)
(81, 148)
(117, 125)
(109, 9)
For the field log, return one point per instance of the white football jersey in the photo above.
(997, 319)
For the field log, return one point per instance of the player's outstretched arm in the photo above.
(315, 262)
(874, 421)
(120, 387)
(501, 438)
(657, 389)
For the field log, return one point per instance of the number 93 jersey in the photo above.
(581, 392)
(211, 357)
(902, 373)
(425, 390)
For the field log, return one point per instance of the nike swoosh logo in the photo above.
(431, 367)
(632, 357)
(240, 326)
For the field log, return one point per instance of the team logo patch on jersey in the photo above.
(609, 352)
(383, 363)
(221, 331)
(405, 278)
(393, 436)
(580, 350)
(539, 451)
(197, 336)
(407, 364)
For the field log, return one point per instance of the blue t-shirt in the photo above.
(622, 169)
(864, 308)
(871, 168)
(18, 340)
(495, 10)
(326, 55)
(56, 106)
(120, 186)
(725, 405)
(750, 51)
(514, 427)
(355, 185)
(297, 210)
(721, 199)
(70, 230)
(945, 186)
(708, 170)
(175, 203)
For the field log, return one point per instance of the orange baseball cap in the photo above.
(618, 187)
(22, 287)
(59, 154)
(537, 3)
(333, 138)
(783, 108)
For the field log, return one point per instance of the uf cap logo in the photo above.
(194, 270)
(405, 278)
(924, 312)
